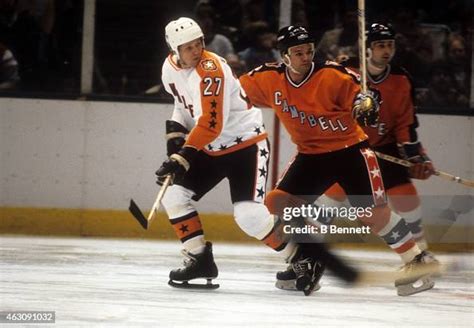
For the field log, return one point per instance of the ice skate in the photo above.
(196, 266)
(286, 280)
(307, 270)
(417, 283)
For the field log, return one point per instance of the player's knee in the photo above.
(277, 200)
(329, 201)
(253, 218)
(177, 201)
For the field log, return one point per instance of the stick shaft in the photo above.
(440, 174)
(159, 197)
(362, 47)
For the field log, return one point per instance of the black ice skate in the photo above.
(411, 285)
(196, 266)
(307, 269)
(286, 280)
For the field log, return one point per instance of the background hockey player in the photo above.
(395, 133)
(317, 104)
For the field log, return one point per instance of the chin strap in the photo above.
(287, 60)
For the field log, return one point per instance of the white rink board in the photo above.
(123, 283)
(78, 154)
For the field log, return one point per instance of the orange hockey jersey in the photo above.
(397, 120)
(317, 113)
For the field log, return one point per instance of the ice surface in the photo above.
(111, 283)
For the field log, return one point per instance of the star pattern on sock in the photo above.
(184, 228)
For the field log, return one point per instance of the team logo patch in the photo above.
(208, 65)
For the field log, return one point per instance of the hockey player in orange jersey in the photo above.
(395, 133)
(320, 105)
(214, 133)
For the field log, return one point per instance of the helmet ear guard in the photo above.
(181, 31)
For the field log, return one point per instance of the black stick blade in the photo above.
(137, 214)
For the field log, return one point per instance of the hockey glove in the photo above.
(175, 137)
(176, 165)
(413, 152)
(366, 107)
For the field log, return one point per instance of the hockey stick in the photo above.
(441, 174)
(362, 47)
(138, 214)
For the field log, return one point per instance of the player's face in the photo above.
(190, 53)
(382, 52)
(301, 57)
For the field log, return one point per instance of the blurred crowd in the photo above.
(40, 44)
(40, 41)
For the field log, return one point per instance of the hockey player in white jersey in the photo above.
(214, 133)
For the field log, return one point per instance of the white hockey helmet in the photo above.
(180, 31)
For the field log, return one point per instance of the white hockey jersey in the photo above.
(210, 102)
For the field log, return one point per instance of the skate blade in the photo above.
(187, 285)
(310, 289)
(410, 289)
(286, 284)
(291, 285)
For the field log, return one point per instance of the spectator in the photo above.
(441, 89)
(20, 31)
(237, 65)
(230, 12)
(450, 78)
(262, 42)
(259, 10)
(298, 13)
(215, 42)
(414, 47)
(459, 63)
(26, 27)
(8, 69)
(342, 40)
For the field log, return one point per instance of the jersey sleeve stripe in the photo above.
(210, 124)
